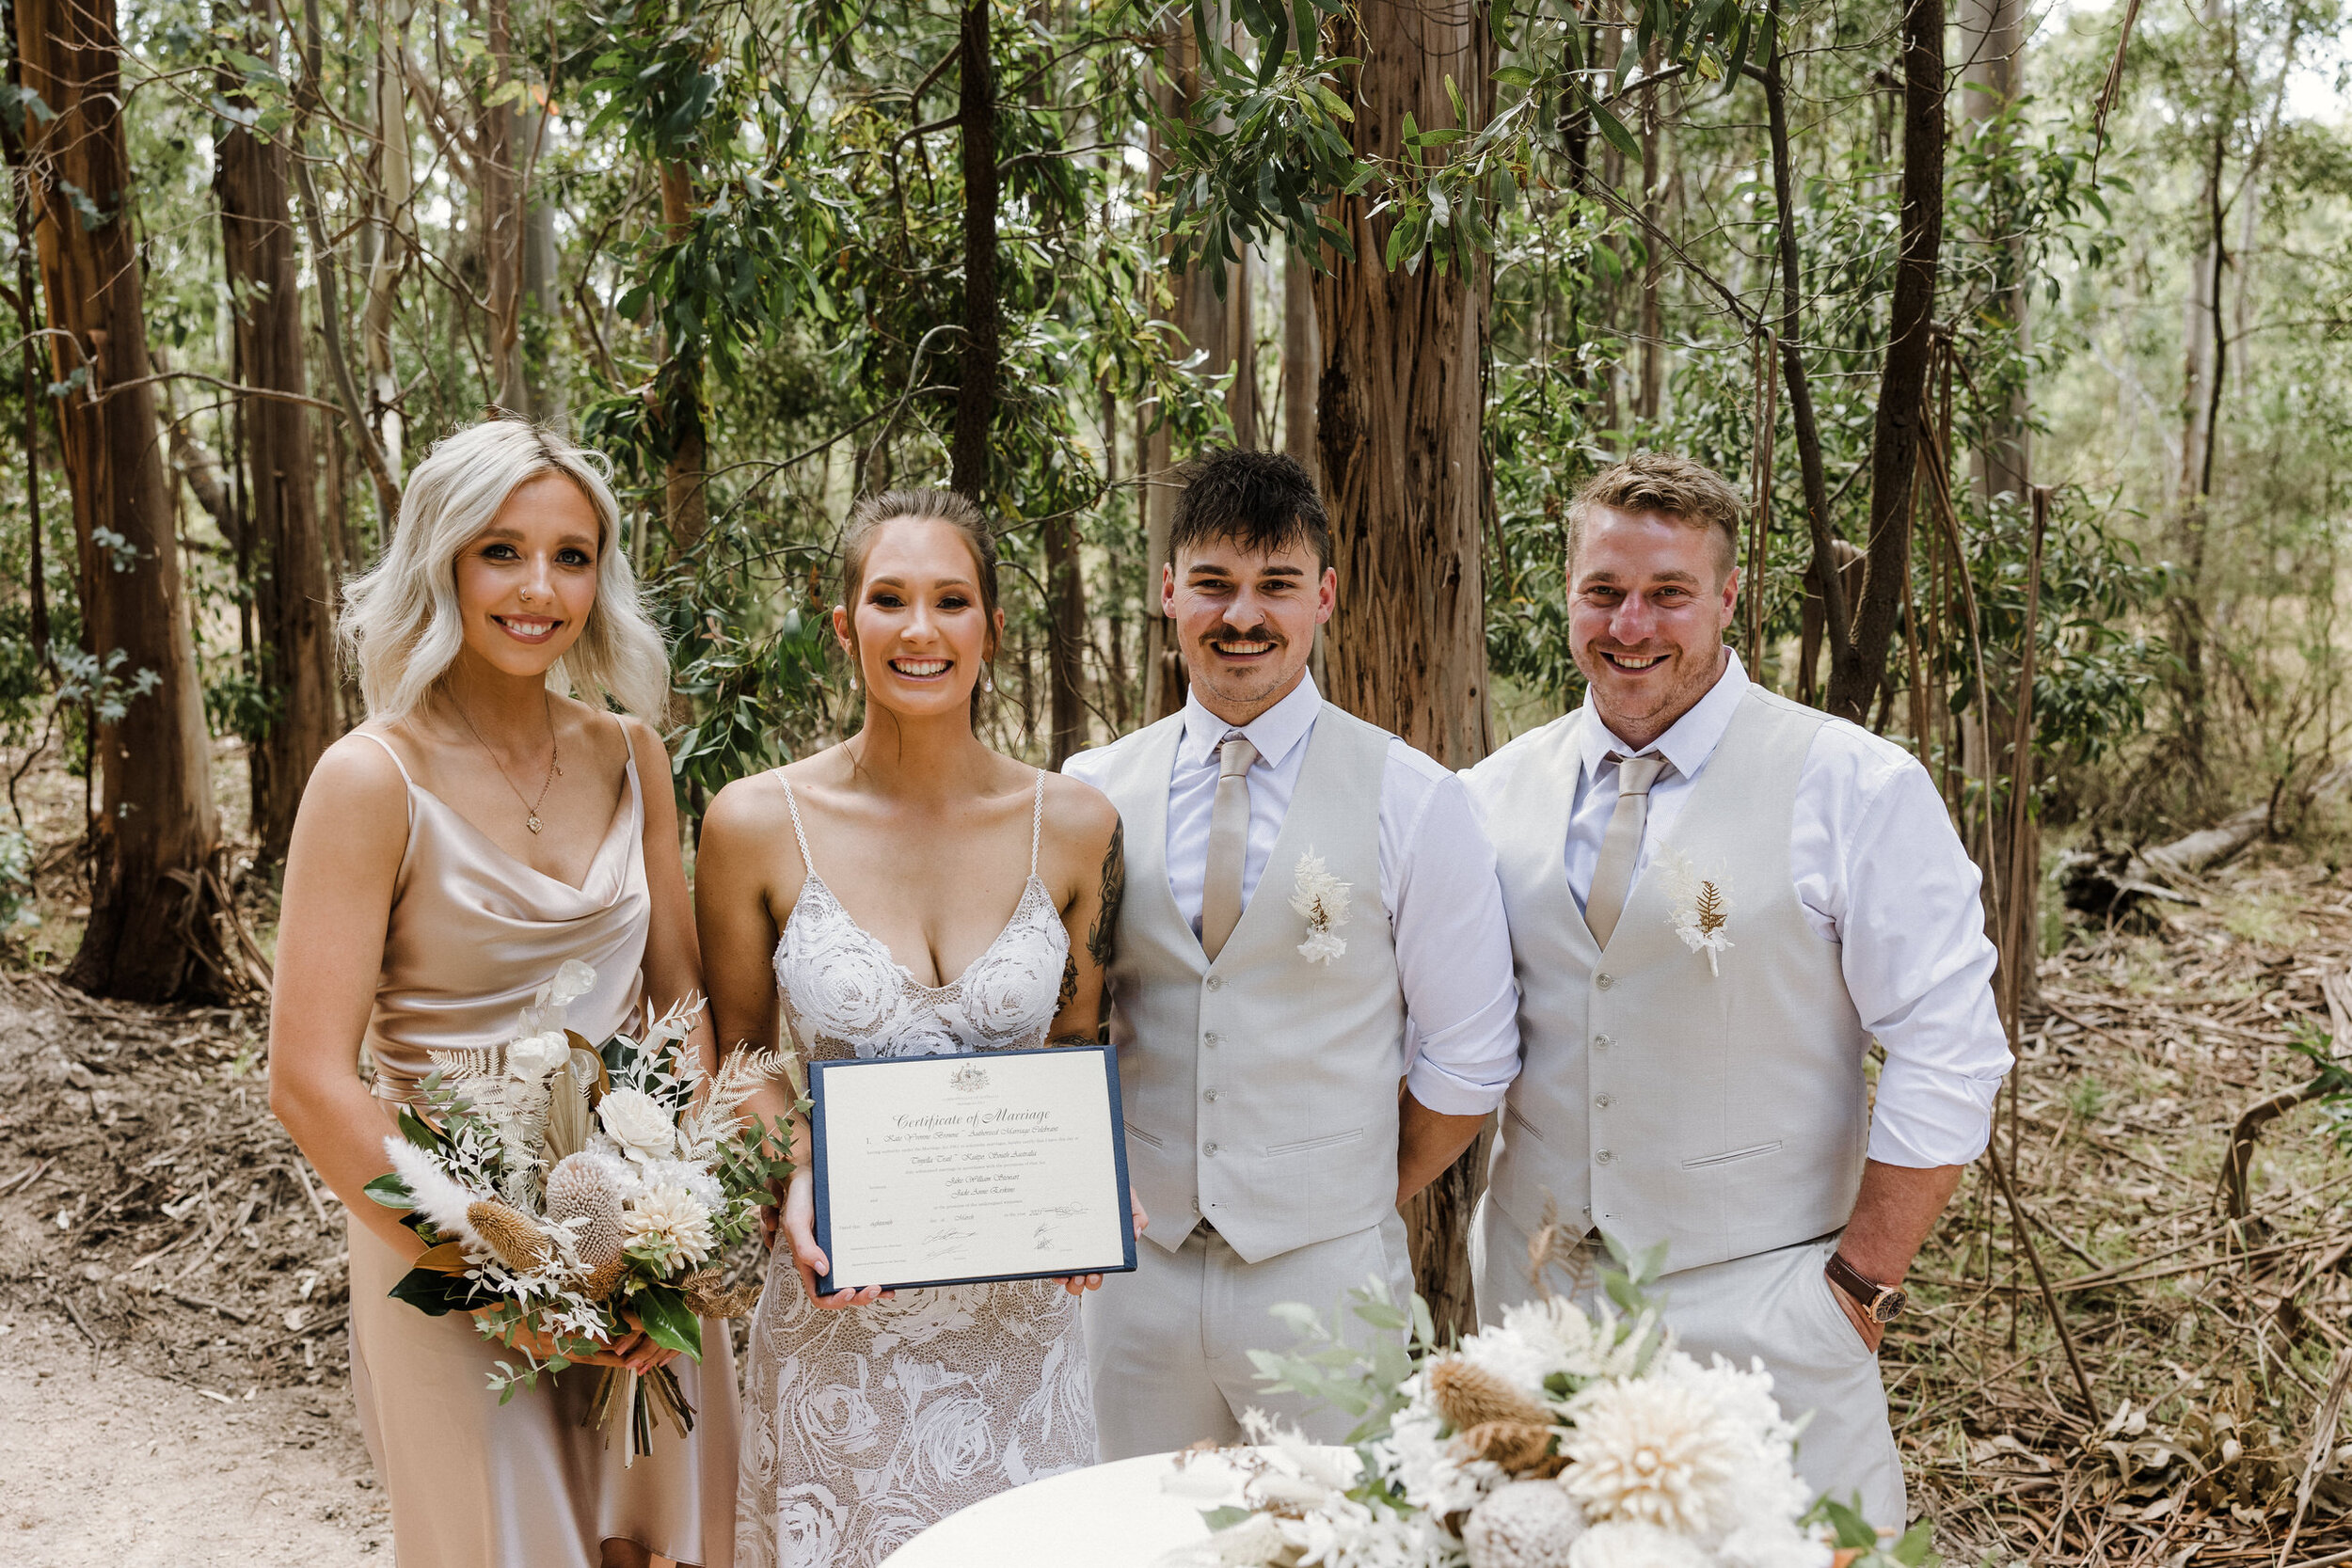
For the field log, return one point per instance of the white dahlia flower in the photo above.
(666, 1220)
(1655, 1451)
(1627, 1544)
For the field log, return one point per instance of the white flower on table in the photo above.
(1701, 907)
(1321, 899)
(638, 1124)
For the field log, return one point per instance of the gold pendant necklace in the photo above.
(555, 763)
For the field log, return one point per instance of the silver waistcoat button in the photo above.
(1216, 983)
(1601, 1157)
(1210, 1095)
(1604, 1100)
(1208, 1039)
(1604, 981)
(1602, 1042)
(1209, 1149)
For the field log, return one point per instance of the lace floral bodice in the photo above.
(846, 996)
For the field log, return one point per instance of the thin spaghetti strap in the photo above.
(389, 753)
(1037, 820)
(793, 805)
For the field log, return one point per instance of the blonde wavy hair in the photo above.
(399, 624)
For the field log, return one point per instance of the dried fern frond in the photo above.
(1713, 908)
(1468, 1396)
(706, 1299)
(708, 1124)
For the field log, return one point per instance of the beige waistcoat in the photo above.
(1261, 1091)
(1723, 1114)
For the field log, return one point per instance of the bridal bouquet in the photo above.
(581, 1191)
(1557, 1440)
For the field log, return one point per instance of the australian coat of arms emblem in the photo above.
(970, 1078)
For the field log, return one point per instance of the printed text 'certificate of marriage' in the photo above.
(941, 1170)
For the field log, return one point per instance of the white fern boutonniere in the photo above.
(1702, 907)
(1322, 899)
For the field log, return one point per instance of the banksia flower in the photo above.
(601, 1280)
(1522, 1448)
(520, 1245)
(582, 1187)
(1470, 1396)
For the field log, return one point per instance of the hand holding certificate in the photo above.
(951, 1171)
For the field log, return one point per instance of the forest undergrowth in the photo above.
(149, 1203)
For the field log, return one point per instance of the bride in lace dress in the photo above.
(907, 892)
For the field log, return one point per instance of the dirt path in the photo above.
(108, 1466)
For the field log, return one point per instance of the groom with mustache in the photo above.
(1717, 900)
(1293, 1070)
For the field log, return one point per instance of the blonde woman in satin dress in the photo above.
(906, 892)
(476, 831)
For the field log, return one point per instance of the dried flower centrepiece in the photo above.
(1558, 1439)
(575, 1192)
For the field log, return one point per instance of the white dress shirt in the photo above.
(1438, 885)
(1878, 868)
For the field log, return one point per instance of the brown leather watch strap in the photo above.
(1881, 1303)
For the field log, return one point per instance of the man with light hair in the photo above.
(1717, 900)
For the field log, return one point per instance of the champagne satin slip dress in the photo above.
(473, 1484)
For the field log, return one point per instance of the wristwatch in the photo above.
(1880, 1304)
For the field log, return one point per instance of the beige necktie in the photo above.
(1621, 846)
(1229, 845)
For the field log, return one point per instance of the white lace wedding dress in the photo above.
(863, 1426)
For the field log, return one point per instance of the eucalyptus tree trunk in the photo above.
(391, 234)
(499, 166)
(1199, 311)
(975, 388)
(1993, 71)
(685, 503)
(285, 563)
(1397, 410)
(157, 822)
(1858, 660)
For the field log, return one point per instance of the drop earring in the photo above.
(988, 680)
(853, 680)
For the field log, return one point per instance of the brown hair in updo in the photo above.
(866, 520)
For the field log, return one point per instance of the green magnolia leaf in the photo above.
(391, 1191)
(417, 1131)
(433, 1293)
(668, 1321)
(1223, 1518)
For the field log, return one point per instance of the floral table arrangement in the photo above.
(1560, 1439)
(574, 1192)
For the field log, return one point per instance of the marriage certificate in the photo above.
(950, 1170)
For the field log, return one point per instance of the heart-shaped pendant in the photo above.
(535, 823)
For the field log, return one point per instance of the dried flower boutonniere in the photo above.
(1321, 898)
(1702, 907)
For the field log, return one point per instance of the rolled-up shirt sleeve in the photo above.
(1918, 964)
(1452, 943)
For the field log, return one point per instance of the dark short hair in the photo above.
(1259, 501)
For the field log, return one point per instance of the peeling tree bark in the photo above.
(157, 817)
(287, 562)
(1398, 413)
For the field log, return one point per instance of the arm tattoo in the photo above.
(1114, 891)
(1069, 984)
